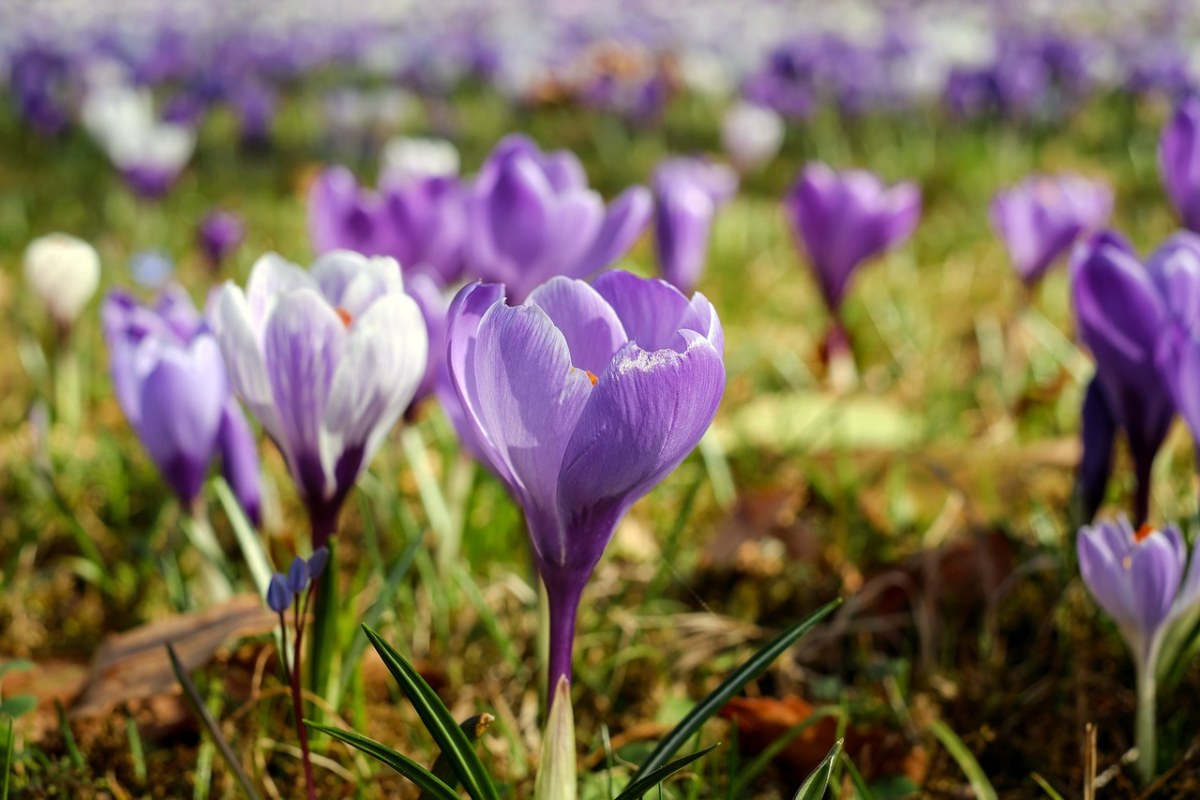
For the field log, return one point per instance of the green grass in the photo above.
(959, 436)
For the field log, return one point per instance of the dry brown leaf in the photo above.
(134, 665)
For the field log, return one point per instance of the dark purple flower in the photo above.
(298, 575)
(581, 400)
(254, 104)
(687, 193)
(171, 383)
(1041, 217)
(1176, 270)
(317, 562)
(845, 219)
(420, 222)
(279, 594)
(531, 216)
(327, 360)
(1179, 161)
(219, 234)
(1121, 316)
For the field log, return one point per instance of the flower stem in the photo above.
(563, 606)
(1145, 729)
(324, 636)
(298, 700)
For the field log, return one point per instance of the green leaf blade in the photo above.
(430, 785)
(817, 782)
(640, 786)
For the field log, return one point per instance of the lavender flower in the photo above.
(327, 360)
(844, 219)
(421, 222)
(1121, 315)
(1179, 161)
(1041, 217)
(531, 216)
(581, 400)
(687, 193)
(171, 383)
(279, 594)
(1142, 580)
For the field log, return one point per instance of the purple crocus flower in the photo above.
(327, 359)
(219, 234)
(581, 400)
(531, 216)
(1179, 161)
(1142, 579)
(1041, 217)
(171, 383)
(687, 193)
(434, 303)
(420, 222)
(1176, 270)
(1121, 316)
(844, 219)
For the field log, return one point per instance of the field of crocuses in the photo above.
(599, 401)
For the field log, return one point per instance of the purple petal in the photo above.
(587, 322)
(648, 411)
(627, 217)
(652, 311)
(239, 460)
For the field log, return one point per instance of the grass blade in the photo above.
(249, 542)
(654, 777)
(1050, 791)
(815, 784)
(860, 785)
(745, 776)
(980, 784)
(438, 721)
(474, 728)
(747, 672)
(201, 711)
(431, 786)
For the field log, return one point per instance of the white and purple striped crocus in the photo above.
(171, 382)
(531, 216)
(419, 220)
(581, 400)
(327, 359)
(843, 219)
(1142, 579)
(687, 194)
(1179, 161)
(1041, 217)
(1121, 315)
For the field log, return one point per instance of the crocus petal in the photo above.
(681, 228)
(352, 282)
(1175, 268)
(239, 460)
(518, 214)
(1106, 579)
(1154, 577)
(303, 342)
(648, 411)
(271, 276)
(460, 399)
(182, 399)
(1099, 430)
(529, 398)
(244, 364)
(588, 323)
(382, 361)
(627, 217)
(652, 311)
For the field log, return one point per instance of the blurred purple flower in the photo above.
(1041, 217)
(279, 594)
(845, 219)
(219, 234)
(420, 222)
(327, 360)
(151, 268)
(172, 385)
(1121, 316)
(1176, 270)
(687, 193)
(434, 303)
(1179, 161)
(531, 216)
(581, 400)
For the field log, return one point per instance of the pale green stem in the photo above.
(68, 385)
(199, 532)
(717, 465)
(543, 640)
(1145, 729)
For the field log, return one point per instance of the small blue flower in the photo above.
(279, 594)
(297, 575)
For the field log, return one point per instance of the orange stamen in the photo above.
(591, 376)
(344, 316)
(1142, 533)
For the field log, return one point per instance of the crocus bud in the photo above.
(1040, 218)
(751, 135)
(687, 193)
(317, 562)
(298, 575)
(64, 273)
(279, 594)
(219, 234)
(1098, 430)
(557, 773)
(843, 219)
(1179, 161)
(409, 158)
